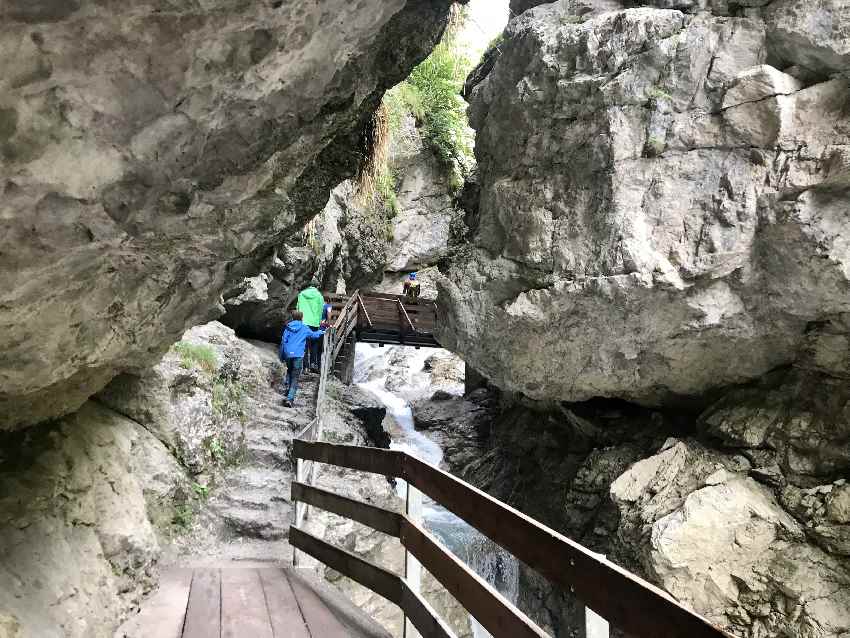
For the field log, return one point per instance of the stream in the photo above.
(409, 381)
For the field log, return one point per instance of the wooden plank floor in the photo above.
(241, 602)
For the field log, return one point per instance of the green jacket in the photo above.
(311, 302)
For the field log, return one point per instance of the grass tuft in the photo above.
(196, 356)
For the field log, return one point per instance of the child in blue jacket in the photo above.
(292, 344)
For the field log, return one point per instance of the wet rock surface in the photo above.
(154, 155)
(460, 425)
(725, 528)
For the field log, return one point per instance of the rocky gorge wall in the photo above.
(667, 172)
(357, 242)
(655, 282)
(154, 154)
(722, 524)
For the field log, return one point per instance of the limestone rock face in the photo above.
(794, 425)
(153, 154)
(720, 542)
(76, 501)
(425, 203)
(813, 34)
(345, 247)
(663, 211)
(176, 399)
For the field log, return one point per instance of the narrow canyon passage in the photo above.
(629, 221)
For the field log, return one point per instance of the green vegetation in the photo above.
(385, 186)
(496, 41)
(431, 94)
(213, 446)
(228, 399)
(656, 94)
(572, 19)
(202, 491)
(184, 515)
(655, 146)
(196, 356)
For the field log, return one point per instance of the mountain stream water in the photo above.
(396, 376)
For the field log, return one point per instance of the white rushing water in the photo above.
(372, 369)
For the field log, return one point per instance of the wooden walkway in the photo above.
(241, 602)
(384, 318)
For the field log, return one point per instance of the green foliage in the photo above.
(657, 93)
(496, 41)
(385, 186)
(228, 399)
(202, 491)
(655, 146)
(196, 356)
(571, 19)
(183, 517)
(431, 94)
(214, 447)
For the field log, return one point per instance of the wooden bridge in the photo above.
(385, 318)
(294, 602)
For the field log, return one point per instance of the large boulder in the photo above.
(814, 34)
(425, 204)
(154, 153)
(662, 213)
(721, 543)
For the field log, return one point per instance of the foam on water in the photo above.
(489, 560)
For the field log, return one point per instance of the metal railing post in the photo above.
(412, 567)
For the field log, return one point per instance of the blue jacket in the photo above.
(294, 339)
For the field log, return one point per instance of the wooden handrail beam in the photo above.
(363, 307)
(364, 459)
(406, 316)
(375, 517)
(488, 606)
(342, 313)
(384, 583)
(626, 601)
(378, 579)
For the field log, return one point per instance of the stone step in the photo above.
(277, 437)
(271, 456)
(267, 500)
(254, 523)
(258, 478)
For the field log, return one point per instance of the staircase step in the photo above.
(254, 523)
(265, 500)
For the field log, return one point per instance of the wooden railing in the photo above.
(626, 601)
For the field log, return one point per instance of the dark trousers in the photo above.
(293, 371)
(312, 356)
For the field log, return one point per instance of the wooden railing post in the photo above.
(412, 566)
(595, 626)
(299, 509)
